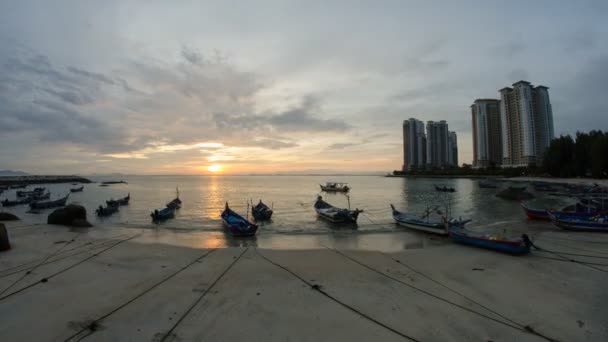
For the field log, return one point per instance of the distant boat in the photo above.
(444, 189)
(334, 187)
(120, 201)
(18, 186)
(40, 196)
(261, 212)
(77, 189)
(107, 211)
(512, 245)
(336, 215)
(30, 193)
(163, 214)
(487, 185)
(236, 224)
(114, 182)
(9, 203)
(104, 185)
(50, 204)
(425, 223)
(597, 223)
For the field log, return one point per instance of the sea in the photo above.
(292, 198)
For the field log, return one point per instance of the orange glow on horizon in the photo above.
(215, 168)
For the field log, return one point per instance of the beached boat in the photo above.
(596, 223)
(8, 203)
(30, 193)
(336, 215)
(444, 189)
(119, 202)
(77, 189)
(497, 242)
(543, 214)
(162, 214)
(236, 224)
(425, 223)
(107, 211)
(487, 185)
(50, 204)
(40, 196)
(261, 212)
(334, 187)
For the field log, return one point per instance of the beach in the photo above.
(158, 285)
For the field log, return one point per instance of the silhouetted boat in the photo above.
(113, 182)
(336, 215)
(30, 193)
(18, 186)
(8, 203)
(50, 204)
(335, 187)
(487, 185)
(175, 203)
(436, 225)
(596, 223)
(444, 189)
(512, 245)
(77, 189)
(107, 211)
(261, 212)
(236, 224)
(120, 201)
(162, 214)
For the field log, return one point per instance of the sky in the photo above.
(174, 87)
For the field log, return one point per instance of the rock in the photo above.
(515, 194)
(4, 243)
(4, 216)
(72, 215)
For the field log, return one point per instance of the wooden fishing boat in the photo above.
(18, 186)
(543, 214)
(40, 196)
(8, 203)
(336, 215)
(50, 204)
(444, 189)
(513, 245)
(261, 212)
(77, 189)
(334, 187)
(107, 211)
(119, 202)
(487, 185)
(425, 223)
(535, 214)
(30, 193)
(236, 224)
(596, 223)
(163, 214)
(175, 203)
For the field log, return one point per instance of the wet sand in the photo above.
(144, 285)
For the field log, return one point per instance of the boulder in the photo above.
(515, 194)
(4, 216)
(4, 243)
(72, 215)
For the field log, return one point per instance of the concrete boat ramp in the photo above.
(59, 284)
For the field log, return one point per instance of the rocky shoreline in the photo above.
(14, 180)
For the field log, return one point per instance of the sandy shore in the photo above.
(144, 285)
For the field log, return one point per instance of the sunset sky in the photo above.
(184, 87)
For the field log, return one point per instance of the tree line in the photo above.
(585, 155)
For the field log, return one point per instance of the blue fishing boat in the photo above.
(261, 212)
(497, 242)
(50, 204)
(119, 202)
(107, 211)
(80, 189)
(236, 224)
(425, 223)
(543, 214)
(334, 214)
(594, 223)
(163, 214)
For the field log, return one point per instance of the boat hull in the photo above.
(518, 247)
(574, 223)
(428, 229)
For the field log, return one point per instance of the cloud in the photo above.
(273, 144)
(341, 146)
(91, 75)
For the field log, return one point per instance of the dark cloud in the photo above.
(91, 75)
(341, 146)
(192, 55)
(272, 144)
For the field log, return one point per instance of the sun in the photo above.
(215, 168)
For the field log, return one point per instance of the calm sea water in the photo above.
(292, 198)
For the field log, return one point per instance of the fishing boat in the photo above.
(107, 211)
(120, 201)
(163, 214)
(30, 193)
(336, 215)
(444, 189)
(261, 212)
(425, 223)
(596, 223)
(18, 186)
(40, 196)
(487, 185)
(77, 189)
(334, 187)
(573, 211)
(50, 204)
(236, 224)
(114, 182)
(513, 245)
(9, 203)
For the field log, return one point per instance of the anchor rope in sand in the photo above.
(326, 294)
(59, 256)
(526, 329)
(90, 327)
(45, 279)
(563, 258)
(195, 303)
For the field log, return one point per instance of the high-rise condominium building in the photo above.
(436, 144)
(452, 149)
(487, 138)
(414, 145)
(526, 124)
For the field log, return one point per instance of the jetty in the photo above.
(31, 179)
